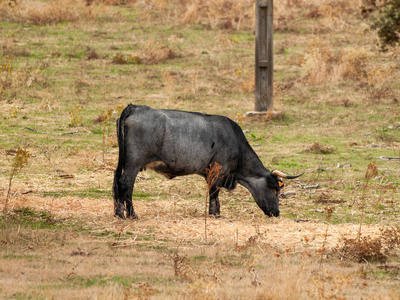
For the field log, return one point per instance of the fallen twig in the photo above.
(307, 187)
(288, 193)
(50, 133)
(388, 158)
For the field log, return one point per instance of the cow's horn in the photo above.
(283, 175)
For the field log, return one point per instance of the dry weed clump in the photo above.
(367, 248)
(20, 161)
(55, 12)
(375, 95)
(377, 76)
(184, 269)
(216, 14)
(222, 14)
(332, 16)
(286, 12)
(91, 54)
(317, 148)
(76, 116)
(353, 63)
(321, 65)
(213, 174)
(153, 53)
(319, 62)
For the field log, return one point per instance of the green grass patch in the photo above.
(30, 218)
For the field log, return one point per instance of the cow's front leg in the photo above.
(119, 209)
(214, 207)
(126, 184)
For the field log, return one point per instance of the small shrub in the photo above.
(388, 23)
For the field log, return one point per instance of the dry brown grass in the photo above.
(184, 221)
(322, 64)
(56, 12)
(50, 12)
(235, 251)
(218, 14)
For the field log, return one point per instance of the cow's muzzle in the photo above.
(272, 213)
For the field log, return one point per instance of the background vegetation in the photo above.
(68, 69)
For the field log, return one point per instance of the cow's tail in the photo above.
(129, 110)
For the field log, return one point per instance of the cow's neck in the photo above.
(252, 165)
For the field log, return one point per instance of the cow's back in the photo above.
(186, 142)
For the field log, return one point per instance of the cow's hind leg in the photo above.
(125, 191)
(214, 208)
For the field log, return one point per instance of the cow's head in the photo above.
(267, 192)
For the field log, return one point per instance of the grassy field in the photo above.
(67, 71)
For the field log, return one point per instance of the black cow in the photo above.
(176, 143)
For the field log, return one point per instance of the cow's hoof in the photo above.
(120, 216)
(133, 217)
(215, 216)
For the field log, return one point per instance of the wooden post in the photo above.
(264, 56)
